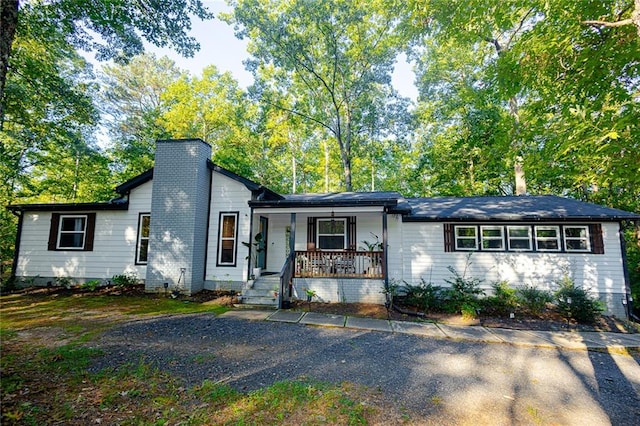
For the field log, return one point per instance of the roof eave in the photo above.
(68, 207)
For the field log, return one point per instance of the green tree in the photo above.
(132, 105)
(114, 29)
(214, 108)
(332, 54)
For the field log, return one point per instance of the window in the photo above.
(576, 238)
(71, 231)
(547, 238)
(332, 234)
(228, 235)
(524, 237)
(466, 238)
(492, 238)
(143, 238)
(519, 237)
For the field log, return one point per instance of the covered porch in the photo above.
(338, 252)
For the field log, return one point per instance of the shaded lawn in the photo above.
(45, 378)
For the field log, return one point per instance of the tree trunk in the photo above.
(8, 24)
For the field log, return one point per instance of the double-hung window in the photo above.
(547, 238)
(492, 238)
(519, 238)
(142, 253)
(227, 240)
(332, 234)
(466, 238)
(72, 232)
(576, 238)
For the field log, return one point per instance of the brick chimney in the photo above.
(179, 212)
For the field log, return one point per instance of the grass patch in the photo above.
(79, 314)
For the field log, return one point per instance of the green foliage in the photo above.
(463, 293)
(65, 282)
(576, 303)
(128, 279)
(91, 285)
(533, 299)
(503, 300)
(424, 295)
(632, 239)
(334, 57)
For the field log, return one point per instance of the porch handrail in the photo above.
(286, 275)
(355, 264)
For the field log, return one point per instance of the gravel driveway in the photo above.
(434, 381)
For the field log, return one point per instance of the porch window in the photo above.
(547, 238)
(72, 232)
(227, 241)
(466, 238)
(519, 238)
(576, 238)
(332, 234)
(142, 251)
(492, 238)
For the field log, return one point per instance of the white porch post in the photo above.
(384, 249)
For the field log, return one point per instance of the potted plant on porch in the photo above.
(373, 247)
(253, 254)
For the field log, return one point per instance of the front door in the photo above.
(262, 246)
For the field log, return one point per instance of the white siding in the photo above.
(424, 257)
(113, 249)
(227, 195)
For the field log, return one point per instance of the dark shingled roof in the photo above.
(345, 199)
(511, 208)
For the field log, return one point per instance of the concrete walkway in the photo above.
(551, 339)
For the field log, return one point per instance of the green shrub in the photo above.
(64, 282)
(91, 285)
(503, 301)
(125, 280)
(424, 295)
(464, 292)
(574, 302)
(534, 299)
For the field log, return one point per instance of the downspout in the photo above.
(16, 250)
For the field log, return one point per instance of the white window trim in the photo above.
(140, 238)
(528, 238)
(557, 238)
(61, 232)
(465, 237)
(234, 238)
(319, 234)
(500, 238)
(587, 238)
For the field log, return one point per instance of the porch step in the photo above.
(261, 292)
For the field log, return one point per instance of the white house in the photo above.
(183, 223)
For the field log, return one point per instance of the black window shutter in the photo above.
(53, 231)
(91, 229)
(351, 233)
(448, 237)
(597, 243)
(311, 233)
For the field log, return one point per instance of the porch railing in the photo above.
(341, 264)
(285, 281)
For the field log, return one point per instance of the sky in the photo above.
(220, 47)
